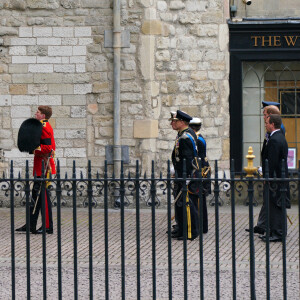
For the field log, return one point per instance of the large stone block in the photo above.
(5, 100)
(17, 50)
(18, 69)
(24, 100)
(95, 4)
(145, 129)
(153, 27)
(48, 78)
(37, 89)
(176, 5)
(50, 41)
(82, 88)
(21, 111)
(147, 57)
(56, 89)
(79, 123)
(74, 100)
(43, 4)
(40, 68)
(100, 87)
(42, 31)
(50, 100)
(18, 89)
(22, 78)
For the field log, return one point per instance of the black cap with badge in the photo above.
(180, 115)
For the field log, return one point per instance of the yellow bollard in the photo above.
(250, 169)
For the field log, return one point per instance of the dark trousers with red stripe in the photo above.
(37, 196)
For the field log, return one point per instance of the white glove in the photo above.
(259, 171)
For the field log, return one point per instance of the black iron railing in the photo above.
(150, 192)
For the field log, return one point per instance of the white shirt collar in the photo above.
(274, 131)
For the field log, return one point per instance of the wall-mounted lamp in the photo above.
(233, 10)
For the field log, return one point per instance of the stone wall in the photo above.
(267, 9)
(52, 52)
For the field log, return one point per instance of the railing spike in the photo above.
(145, 175)
(81, 175)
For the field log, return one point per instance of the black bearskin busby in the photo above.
(29, 136)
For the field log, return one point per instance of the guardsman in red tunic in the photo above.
(43, 153)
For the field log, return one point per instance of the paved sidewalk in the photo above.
(242, 257)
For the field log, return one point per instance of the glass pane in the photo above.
(290, 128)
(252, 123)
(250, 102)
(287, 98)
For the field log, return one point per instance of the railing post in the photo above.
(169, 230)
(250, 169)
(43, 199)
(90, 199)
(27, 195)
(184, 208)
(138, 252)
(59, 259)
(106, 231)
(153, 194)
(201, 199)
(217, 242)
(266, 195)
(122, 194)
(232, 183)
(283, 191)
(74, 185)
(12, 224)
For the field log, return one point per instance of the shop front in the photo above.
(264, 66)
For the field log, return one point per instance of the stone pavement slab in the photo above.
(114, 252)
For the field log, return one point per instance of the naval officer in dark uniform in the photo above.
(195, 124)
(185, 148)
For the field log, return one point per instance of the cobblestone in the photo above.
(114, 253)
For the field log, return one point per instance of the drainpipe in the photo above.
(117, 67)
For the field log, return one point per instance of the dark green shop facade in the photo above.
(264, 66)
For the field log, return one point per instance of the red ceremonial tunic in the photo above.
(45, 151)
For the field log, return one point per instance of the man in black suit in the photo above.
(269, 108)
(276, 150)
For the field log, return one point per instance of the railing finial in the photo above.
(250, 169)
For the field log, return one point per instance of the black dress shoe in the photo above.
(271, 238)
(48, 231)
(176, 235)
(172, 231)
(256, 229)
(23, 229)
